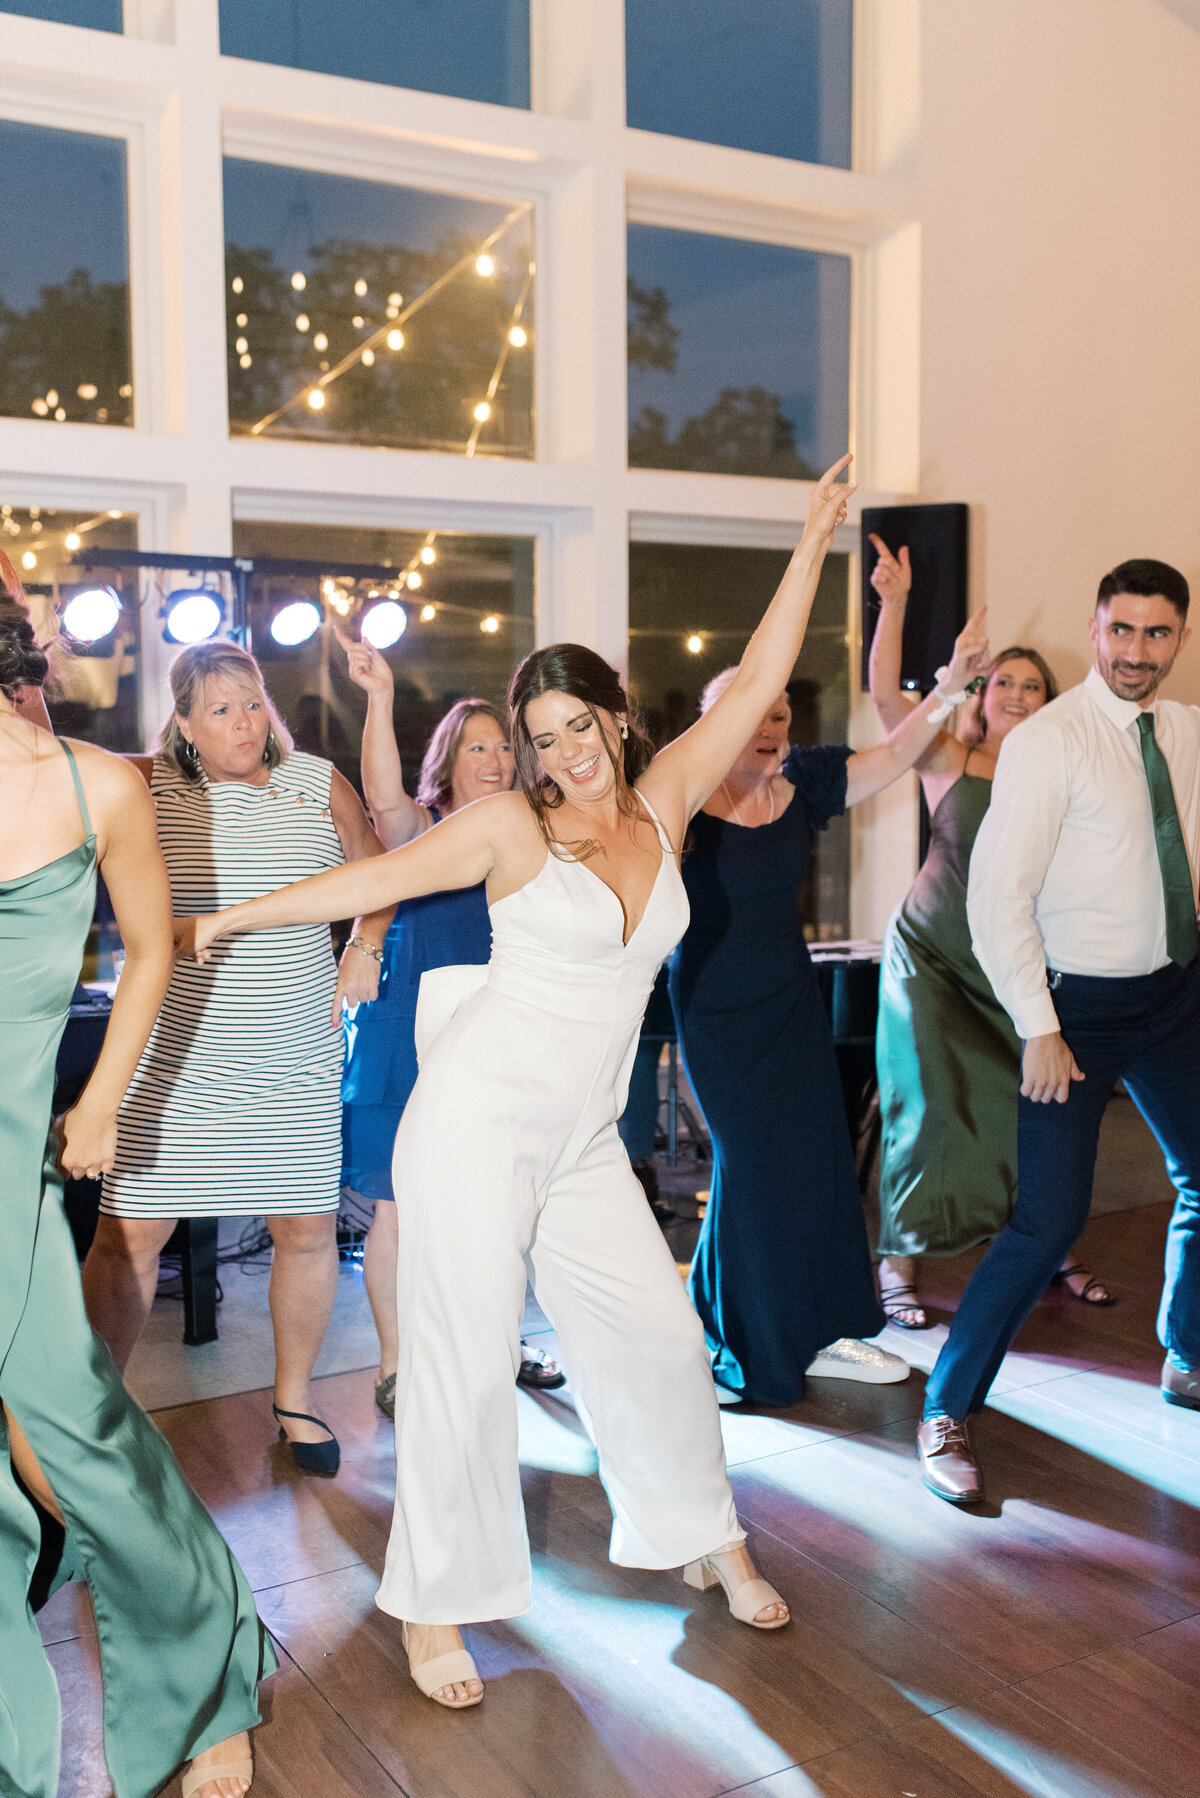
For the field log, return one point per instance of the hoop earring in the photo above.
(269, 749)
(624, 732)
(190, 754)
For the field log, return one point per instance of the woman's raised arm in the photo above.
(396, 817)
(695, 764)
(460, 852)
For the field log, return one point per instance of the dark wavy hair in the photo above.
(581, 673)
(23, 662)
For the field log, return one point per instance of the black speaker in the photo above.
(937, 609)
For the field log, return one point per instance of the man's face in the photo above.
(1136, 638)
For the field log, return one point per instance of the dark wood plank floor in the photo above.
(1046, 1644)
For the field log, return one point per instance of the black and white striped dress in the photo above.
(235, 1107)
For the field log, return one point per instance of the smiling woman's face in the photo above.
(1014, 691)
(571, 746)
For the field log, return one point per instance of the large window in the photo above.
(362, 312)
(101, 15)
(739, 355)
(691, 611)
(467, 603)
(65, 347)
(475, 49)
(94, 688)
(768, 75)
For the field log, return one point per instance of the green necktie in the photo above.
(1172, 854)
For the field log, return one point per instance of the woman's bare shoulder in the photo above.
(119, 779)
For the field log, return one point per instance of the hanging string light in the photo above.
(483, 411)
(398, 315)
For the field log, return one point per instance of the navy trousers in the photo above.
(1145, 1031)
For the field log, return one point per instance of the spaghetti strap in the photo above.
(74, 767)
(663, 838)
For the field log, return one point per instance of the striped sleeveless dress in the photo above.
(235, 1108)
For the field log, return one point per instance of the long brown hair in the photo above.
(435, 788)
(189, 671)
(581, 673)
(973, 728)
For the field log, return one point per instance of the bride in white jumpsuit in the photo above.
(508, 1146)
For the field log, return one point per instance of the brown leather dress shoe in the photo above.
(1181, 1385)
(948, 1464)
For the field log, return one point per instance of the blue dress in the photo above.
(782, 1267)
(438, 930)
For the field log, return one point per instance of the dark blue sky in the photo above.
(290, 210)
(767, 75)
(475, 49)
(64, 208)
(749, 314)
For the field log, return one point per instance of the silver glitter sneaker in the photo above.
(850, 1359)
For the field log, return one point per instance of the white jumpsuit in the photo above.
(508, 1148)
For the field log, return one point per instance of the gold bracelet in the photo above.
(361, 943)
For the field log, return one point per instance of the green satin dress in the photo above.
(948, 1058)
(182, 1649)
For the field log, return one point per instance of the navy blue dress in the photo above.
(782, 1267)
(438, 930)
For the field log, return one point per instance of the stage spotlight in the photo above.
(92, 614)
(193, 615)
(295, 623)
(384, 624)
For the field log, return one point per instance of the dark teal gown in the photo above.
(782, 1267)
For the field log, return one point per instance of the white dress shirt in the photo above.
(1065, 871)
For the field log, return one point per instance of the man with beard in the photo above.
(1082, 902)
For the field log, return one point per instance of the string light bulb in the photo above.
(485, 264)
(414, 578)
(245, 360)
(316, 399)
(482, 412)
(395, 340)
(299, 282)
(29, 560)
(490, 624)
(368, 357)
(518, 337)
(51, 400)
(241, 346)
(116, 514)
(302, 321)
(320, 341)
(241, 321)
(72, 540)
(41, 408)
(428, 614)
(695, 644)
(87, 390)
(396, 300)
(358, 321)
(429, 555)
(360, 287)
(60, 413)
(237, 284)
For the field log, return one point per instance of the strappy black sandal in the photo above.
(312, 1457)
(902, 1298)
(1095, 1292)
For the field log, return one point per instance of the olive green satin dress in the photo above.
(948, 1058)
(182, 1649)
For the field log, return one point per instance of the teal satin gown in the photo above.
(181, 1646)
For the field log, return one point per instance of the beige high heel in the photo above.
(195, 1777)
(450, 1669)
(745, 1601)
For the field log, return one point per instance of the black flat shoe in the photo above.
(312, 1457)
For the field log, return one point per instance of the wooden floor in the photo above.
(1046, 1644)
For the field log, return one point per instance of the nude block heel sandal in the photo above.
(745, 1602)
(450, 1669)
(195, 1777)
